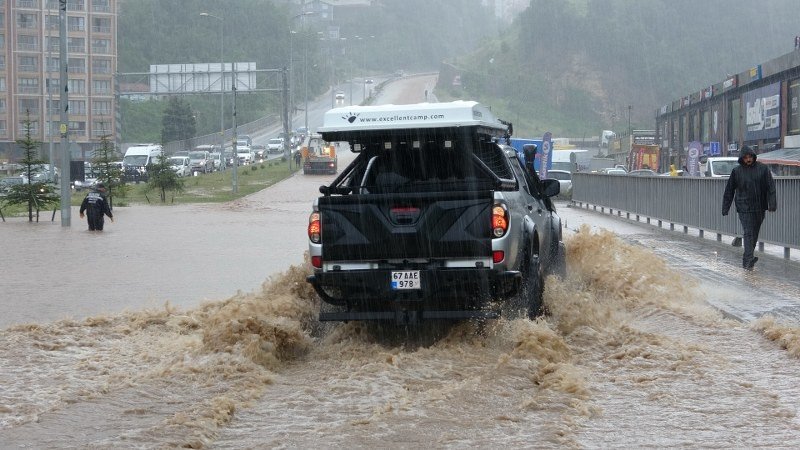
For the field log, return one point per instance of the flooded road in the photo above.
(631, 353)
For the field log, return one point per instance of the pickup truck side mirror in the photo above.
(550, 187)
(529, 152)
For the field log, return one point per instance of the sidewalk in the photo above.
(772, 288)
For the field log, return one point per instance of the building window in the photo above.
(53, 85)
(101, 107)
(3, 129)
(76, 65)
(101, 46)
(77, 107)
(27, 43)
(28, 85)
(101, 128)
(54, 106)
(2, 40)
(76, 86)
(51, 22)
(76, 23)
(53, 64)
(3, 105)
(34, 124)
(101, 5)
(101, 86)
(2, 84)
(25, 20)
(77, 128)
(101, 66)
(2, 62)
(794, 107)
(28, 63)
(2, 20)
(76, 5)
(734, 121)
(705, 126)
(76, 45)
(52, 43)
(29, 106)
(101, 25)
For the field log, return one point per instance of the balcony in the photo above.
(76, 48)
(103, 49)
(28, 89)
(28, 68)
(27, 4)
(27, 47)
(101, 29)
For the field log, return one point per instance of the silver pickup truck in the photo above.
(436, 218)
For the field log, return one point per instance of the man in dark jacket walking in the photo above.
(95, 205)
(752, 186)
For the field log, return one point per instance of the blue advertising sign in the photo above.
(693, 158)
(714, 149)
(547, 161)
(518, 143)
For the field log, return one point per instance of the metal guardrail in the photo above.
(691, 202)
(213, 138)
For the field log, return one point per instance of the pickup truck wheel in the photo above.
(533, 288)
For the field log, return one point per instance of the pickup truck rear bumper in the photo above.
(452, 293)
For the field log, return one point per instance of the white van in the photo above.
(137, 157)
(720, 166)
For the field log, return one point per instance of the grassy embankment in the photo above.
(205, 188)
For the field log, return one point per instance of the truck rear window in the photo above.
(432, 169)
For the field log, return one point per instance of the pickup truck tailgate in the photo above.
(405, 226)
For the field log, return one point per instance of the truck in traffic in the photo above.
(319, 156)
(435, 219)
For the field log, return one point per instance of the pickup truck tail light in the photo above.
(499, 221)
(314, 228)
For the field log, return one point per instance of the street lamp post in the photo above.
(291, 70)
(234, 184)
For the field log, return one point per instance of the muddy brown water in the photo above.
(630, 354)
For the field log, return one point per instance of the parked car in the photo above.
(564, 178)
(275, 145)
(720, 166)
(200, 161)
(181, 165)
(7, 182)
(642, 173)
(613, 171)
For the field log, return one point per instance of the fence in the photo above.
(690, 202)
(213, 138)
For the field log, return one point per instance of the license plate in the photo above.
(406, 279)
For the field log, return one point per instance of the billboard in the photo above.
(201, 78)
(762, 112)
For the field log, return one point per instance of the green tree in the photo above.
(162, 178)
(107, 171)
(36, 194)
(178, 122)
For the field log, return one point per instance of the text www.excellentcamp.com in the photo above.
(401, 118)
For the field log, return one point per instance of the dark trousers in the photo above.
(95, 222)
(751, 225)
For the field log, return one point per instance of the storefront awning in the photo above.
(784, 156)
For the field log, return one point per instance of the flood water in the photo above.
(630, 354)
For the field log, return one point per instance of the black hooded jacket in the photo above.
(753, 186)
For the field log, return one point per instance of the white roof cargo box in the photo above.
(347, 120)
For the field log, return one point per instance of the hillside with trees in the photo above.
(574, 66)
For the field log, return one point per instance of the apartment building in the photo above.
(30, 64)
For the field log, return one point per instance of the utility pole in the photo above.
(66, 194)
(234, 171)
(285, 114)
